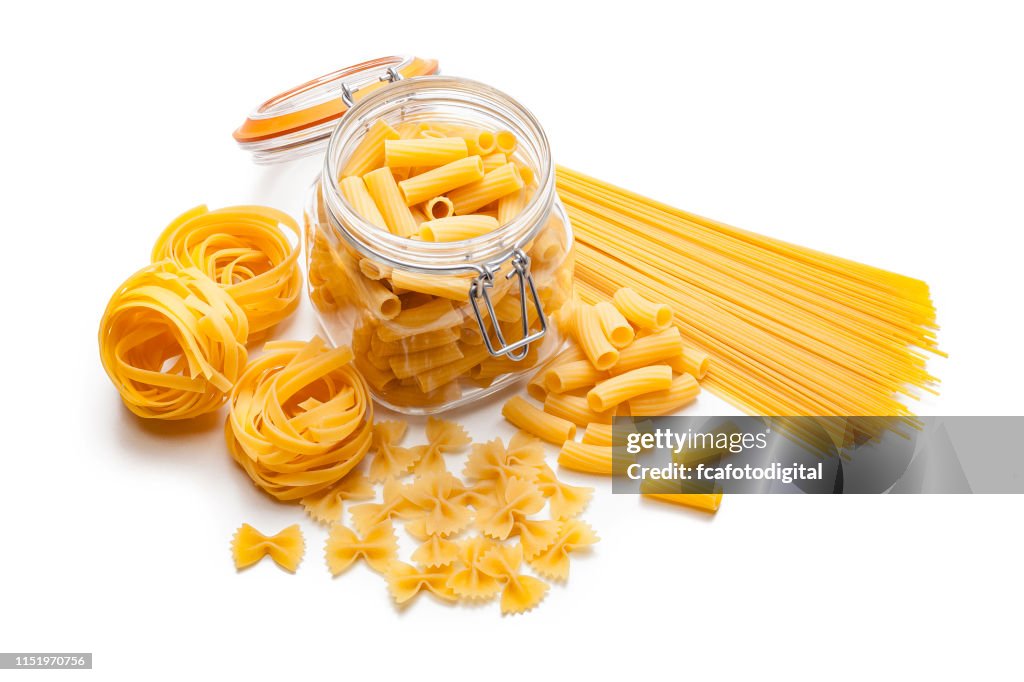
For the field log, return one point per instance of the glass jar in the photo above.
(435, 325)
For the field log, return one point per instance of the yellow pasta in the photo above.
(325, 506)
(390, 460)
(385, 192)
(493, 466)
(640, 311)
(491, 187)
(573, 536)
(369, 154)
(519, 593)
(457, 228)
(433, 316)
(590, 459)
(516, 500)
(373, 270)
(245, 251)
(790, 330)
(469, 581)
(492, 161)
(405, 582)
(527, 174)
(537, 386)
(300, 418)
(248, 546)
(442, 180)
(511, 205)
(411, 364)
(438, 496)
(564, 500)
(575, 409)
(443, 437)
(353, 188)
(588, 333)
(172, 342)
(436, 551)
(663, 346)
(667, 490)
(441, 375)
(682, 391)
(547, 426)
(615, 327)
(369, 514)
(505, 141)
(695, 362)
(622, 387)
(413, 344)
(439, 207)
(424, 152)
(378, 548)
(480, 141)
(573, 375)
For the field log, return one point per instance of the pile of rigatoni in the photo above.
(627, 358)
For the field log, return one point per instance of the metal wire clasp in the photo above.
(479, 289)
(390, 75)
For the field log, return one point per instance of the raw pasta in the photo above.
(248, 546)
(300, 418)
(420, 326)
(326, 506)
(245, 250)
(527, 417)
(378, 547)
(405, 582)
(519, 592)
(573, 535)
(172, 342)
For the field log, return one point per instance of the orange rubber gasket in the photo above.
(257, 129)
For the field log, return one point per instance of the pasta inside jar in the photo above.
(437, 247)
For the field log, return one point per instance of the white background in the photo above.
(886, 132)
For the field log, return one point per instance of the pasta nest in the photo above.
(172, 342)
(244, 250)
(300, 418)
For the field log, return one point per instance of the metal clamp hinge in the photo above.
(479, 289)
(390, 75)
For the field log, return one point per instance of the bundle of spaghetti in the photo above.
(791, 331)
(300, 418)
(172, 342)
(243, 249)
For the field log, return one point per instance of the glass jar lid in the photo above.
(299, 122)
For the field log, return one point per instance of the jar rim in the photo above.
(484, 252)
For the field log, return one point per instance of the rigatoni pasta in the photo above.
(382, 187)
(421, 342)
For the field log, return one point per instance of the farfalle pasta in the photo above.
(564, 500)
(406, 581)
(390, 460)
(286, 548)
(519, 593)
(513, 502)
(442, 437)
(395, 505)
(378, 547)
(436, 551)
(300, 418)
(438, 497)
(468, 580)
(325, 506)
(572, 535)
